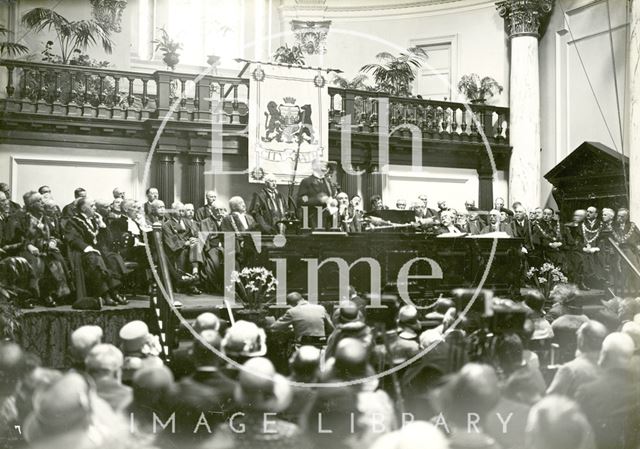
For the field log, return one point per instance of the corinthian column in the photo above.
(523, 22)
(633, 76)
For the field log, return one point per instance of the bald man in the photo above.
(612, 401)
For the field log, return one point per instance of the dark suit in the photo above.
(474, 227)
(611, 403)
(309, 193)
(310, 189)
(268, 207)
(69, 210)
(523, 231)
(245, 249)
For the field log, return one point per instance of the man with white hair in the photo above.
(240, 222)
(33, 232)
(612, 401)
(206, 211)
(315, 190)
(496, 225)
(269, 206)
(182, 249)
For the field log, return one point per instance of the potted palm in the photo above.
(11, 48)
(72, 35)
(169, 48)
(289, 55)
(395, 74)
(478, 90)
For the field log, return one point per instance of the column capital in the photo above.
(523, 16)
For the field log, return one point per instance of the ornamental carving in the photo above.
(523, 16)
(311, 36)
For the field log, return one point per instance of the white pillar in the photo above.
(523, 23)
(524, 122)
(633, 76)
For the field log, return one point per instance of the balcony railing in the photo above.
(433, 119)
(65, 90)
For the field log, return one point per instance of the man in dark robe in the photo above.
(81, 233)
(211, 240)
(547, 238)
(40, 247)
(312, 190)
(573, 240)
(269, 207)
(627, 235)
(207, 210)
(594, 271)
(182, 249)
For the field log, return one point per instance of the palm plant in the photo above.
(71, 34)
(478, 90)
(359, 82)
(395, 74)
(11, 48)
(289, 55)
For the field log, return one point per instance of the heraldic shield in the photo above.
(290, 128)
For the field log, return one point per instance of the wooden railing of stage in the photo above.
(435, 119)
(620, 284)
(102, 93)
(160, 300)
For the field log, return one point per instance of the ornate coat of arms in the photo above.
(287, 121)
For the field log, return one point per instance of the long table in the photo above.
(464, 262)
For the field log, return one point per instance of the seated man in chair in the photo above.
(40, 247)
(182, 248)
(81, 232)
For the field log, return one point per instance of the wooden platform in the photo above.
(46, 331)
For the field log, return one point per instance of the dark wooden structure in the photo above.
(463, 262)
(592, 175)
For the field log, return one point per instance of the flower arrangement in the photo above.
(546, 277)
(478, 90)
(252, 286)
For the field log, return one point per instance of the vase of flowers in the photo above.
(478, 90)
(546, 277)
(254, 288)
